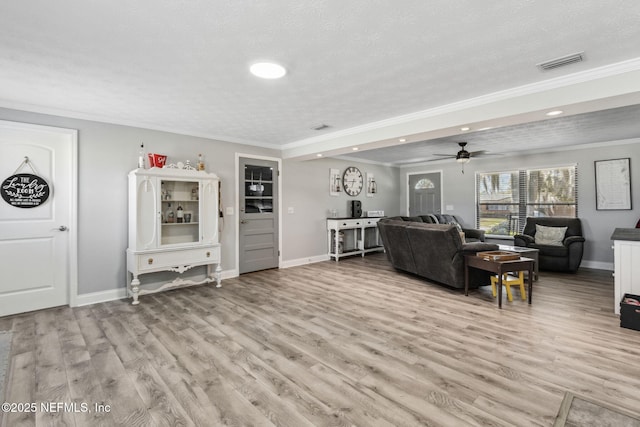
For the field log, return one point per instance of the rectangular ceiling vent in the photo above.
(562, 61)
(320, 127)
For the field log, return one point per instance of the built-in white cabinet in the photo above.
(173, 226)
(626, 246)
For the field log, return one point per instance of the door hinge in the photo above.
(278, 172)
(278, 252)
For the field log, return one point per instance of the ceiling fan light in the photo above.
(463, 155)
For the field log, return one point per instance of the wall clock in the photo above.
(352, 181)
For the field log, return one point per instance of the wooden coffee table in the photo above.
(499, 268)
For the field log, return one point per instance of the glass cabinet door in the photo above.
(258, 189)
(179, 212)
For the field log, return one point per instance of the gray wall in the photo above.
(459, 190)
(106, 154)
(306, 189)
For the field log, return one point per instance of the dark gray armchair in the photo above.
(564, 256)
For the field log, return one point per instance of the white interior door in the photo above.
(36, 242)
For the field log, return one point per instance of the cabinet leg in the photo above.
(218, 276)
(135, 288)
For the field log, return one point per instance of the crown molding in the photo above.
(364, 161)
(528, 89)
(70, 114)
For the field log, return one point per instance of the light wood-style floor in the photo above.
(348, 344)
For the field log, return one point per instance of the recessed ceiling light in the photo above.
(319, 155)
(355, 148)
(403, 140)
(464, 129)
(554, 112)
(268, 70)
(487, 128)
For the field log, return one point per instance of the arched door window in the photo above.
(424, 184)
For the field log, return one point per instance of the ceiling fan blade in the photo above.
(440, 159)
(483, 153)
(453, 156)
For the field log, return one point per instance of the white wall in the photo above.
(459, 190)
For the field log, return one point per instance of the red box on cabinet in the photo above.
(157, 160)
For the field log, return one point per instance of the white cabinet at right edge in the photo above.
(626, 259)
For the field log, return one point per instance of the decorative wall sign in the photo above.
(25, 190)
(613, 184)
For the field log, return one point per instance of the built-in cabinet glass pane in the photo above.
(179, 212)
(258, 189)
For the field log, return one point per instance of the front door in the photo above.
(35, 231)
(425, 193)
(258, 227)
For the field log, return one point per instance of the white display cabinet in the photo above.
(626, 246)
(173, 226)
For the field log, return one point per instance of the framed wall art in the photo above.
(335, 182)
(372, 186)
(613, 184)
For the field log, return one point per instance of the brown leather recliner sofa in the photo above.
(432, 251)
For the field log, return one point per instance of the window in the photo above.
(424, 184)
(506, 199)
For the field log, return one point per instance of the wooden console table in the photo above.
(499, 268)
(357, 227)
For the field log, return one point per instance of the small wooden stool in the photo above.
(508, 280)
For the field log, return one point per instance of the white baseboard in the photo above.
(120, 293)
(597, 265)
(229, 274)
(102, 296)
(304, 261)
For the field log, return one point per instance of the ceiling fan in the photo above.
(463, 156)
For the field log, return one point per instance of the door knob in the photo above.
(243, 221)
(62, 228)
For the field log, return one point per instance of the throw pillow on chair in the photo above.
(552, 236)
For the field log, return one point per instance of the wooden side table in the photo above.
(499, 268)
(526, 252)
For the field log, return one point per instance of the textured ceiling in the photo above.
(182, 66)
(614, 124)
